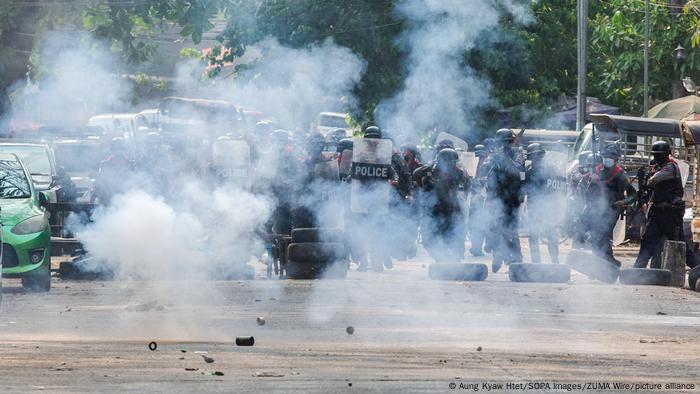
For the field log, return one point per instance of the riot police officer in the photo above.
(665, 207)
(506, 170)
(609, 194)
(478, 217)
(444, 230)
(368, 237)
(541, 190)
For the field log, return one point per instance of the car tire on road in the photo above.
(593, 266)
(472, 272)
(38, 282)
(693, 277)
(545, 273)
(645, 276)
(318, 252)
(308, 235)
(316, 270)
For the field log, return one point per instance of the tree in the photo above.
(616, 52)
(368, 27)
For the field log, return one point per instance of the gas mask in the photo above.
(608, 162)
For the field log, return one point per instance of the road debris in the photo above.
(245, 341)
(350, 330)
(268, 375)
(183, 351)
(661, 313)
(152, 345)
(144, 307)
(213, 373)
(207, 359)
(260, 320)
(191, 369)
(478, 349)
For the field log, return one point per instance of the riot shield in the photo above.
(370, 172)
(345, 163)
(327, 170)
(231, 159)
(468, 163)
(459, 143)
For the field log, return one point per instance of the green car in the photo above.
(26, 252)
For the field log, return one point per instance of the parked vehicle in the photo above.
(41, 162)
(25, 226)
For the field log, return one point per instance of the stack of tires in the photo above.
(316, 253)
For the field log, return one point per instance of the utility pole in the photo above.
(581, 100)
(646, 58)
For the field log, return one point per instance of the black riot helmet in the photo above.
(505, 136)
(611, 151)
(444, 144)
(343, 145)
(660, 150)
(373, 132)
(447, 158)
(585, 161)
(535, 151)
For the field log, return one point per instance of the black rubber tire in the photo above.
(314, 270)
(539, 273)
(308, 235)
(645, 276)
(593, 266)
(693, 277)
(39, 282)
(318, 252)
(472, 272)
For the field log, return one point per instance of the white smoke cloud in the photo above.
(78, 78)
(440, 91)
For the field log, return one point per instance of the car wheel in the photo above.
(308, 235)
(318, 252)
(545, 273)
(458, 271)
(693, 277)
(39, 282)
(645, 276)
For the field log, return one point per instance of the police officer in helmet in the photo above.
(478, 217)
(504, 189)
(665, 207)
(612, 193)
(444, 228)
(542, 204)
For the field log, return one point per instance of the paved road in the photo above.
(410, 335)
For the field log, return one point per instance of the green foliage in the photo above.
(368, 27)
(616, 56)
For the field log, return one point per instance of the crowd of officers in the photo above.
(437, 202)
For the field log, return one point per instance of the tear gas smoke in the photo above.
(78, 78)
(440, 91)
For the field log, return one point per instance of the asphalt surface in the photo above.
(410, 334)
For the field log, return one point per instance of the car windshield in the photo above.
(13, 181)
(333, 121)
(34, 157)
(78, 157)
